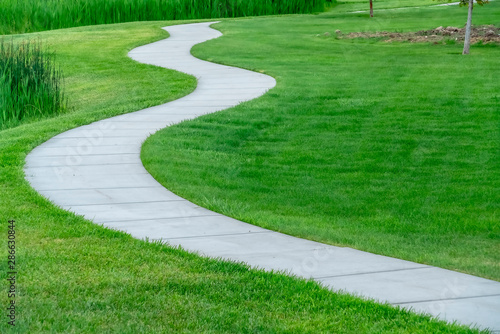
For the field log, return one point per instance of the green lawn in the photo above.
(387, 148)
(77, 277)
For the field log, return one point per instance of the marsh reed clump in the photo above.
(31, 85)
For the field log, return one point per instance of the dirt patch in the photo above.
(484, 34)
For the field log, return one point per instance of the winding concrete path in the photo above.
(96, 171)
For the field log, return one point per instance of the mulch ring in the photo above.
(484, 34)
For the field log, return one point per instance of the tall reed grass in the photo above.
(30, 83)
(20, 16)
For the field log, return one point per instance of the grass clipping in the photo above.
(31, 85)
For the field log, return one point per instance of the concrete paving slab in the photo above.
(95, 132)
(140, 133)
(428, 283)
(41, 161)
(43, 151)
(194, 103)
(163, 117)
(239, 97)
(73, 171)
(64, 182)
(85, 141)
(326, 261)
(105, 182)
(72, 197)
(179, 110)
(186, 227)
(139, 122)
(149, 126)
(237, 246)
(480, 312)
(103, 213)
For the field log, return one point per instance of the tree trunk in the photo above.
(371, 8)
(468, 29)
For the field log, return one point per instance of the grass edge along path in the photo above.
(74, 276)
(319, 165)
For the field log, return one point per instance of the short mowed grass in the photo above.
(391, 148)
(76, 277)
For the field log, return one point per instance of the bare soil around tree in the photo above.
(480, 34)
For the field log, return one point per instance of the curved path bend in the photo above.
(95, 171)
